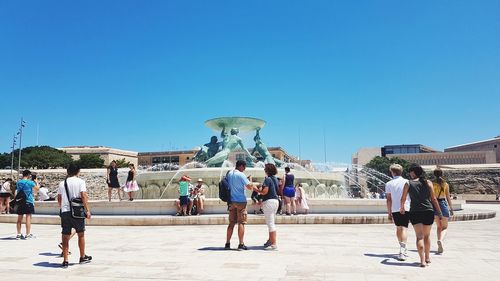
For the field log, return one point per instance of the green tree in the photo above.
(382, 164)
(89, 161)
(41, 157)
(5, 160)
(122, 163)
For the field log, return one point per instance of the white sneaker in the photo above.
(440, 247)
(271, 248)
(29, 236)
(401, 257)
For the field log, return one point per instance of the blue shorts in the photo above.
(184, 200)
(289, 191)
(445, 209)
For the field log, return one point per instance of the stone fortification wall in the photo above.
(95, 179)
(462, 181)
(473, 181)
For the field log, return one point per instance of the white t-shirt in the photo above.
(75, 187)
(395, 188)
(5, 188)
(43, 194)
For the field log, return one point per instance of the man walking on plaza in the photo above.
(394, 191)
(238, 207)
(76, 189)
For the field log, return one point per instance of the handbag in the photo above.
(76, 205)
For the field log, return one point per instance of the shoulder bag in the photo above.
(76, 205)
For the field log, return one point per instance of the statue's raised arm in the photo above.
(223, 133)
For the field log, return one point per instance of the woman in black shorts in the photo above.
(421, 210)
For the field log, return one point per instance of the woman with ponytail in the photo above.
(421, 210)
(442, 191)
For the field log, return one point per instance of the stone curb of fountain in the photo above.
(160, 220)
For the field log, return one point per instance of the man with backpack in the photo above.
(26, 205)
(237, 182)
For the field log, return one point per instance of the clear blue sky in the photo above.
(145, 75)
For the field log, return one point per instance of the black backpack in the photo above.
(225, 190)
(18, 201)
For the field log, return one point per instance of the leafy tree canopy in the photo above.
(382, 164)
(122, 163)
(90, 161)
(41, 157)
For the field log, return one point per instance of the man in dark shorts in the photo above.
(76, 189)
(238, 206)
(27, 187)
(394, 191)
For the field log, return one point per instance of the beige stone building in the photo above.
(484, 152)
(449, 158)
(108, 154)
(492, 145)
(182, 157)
(365, 155)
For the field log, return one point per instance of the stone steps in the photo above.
(222, 219)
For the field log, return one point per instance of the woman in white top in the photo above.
(300, 198)
(5, 193)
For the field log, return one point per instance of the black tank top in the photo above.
(420, 197)
(130, 176)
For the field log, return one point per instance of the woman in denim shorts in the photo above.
(442, 191)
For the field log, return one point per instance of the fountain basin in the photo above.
(216, 206)
(164, 184)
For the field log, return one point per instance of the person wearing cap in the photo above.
(184, 186)
(199, 196)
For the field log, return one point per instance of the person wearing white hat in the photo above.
(199, 196)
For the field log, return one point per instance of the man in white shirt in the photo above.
(43, 195)
(394, 191)
(76, 189)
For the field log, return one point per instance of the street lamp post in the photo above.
(12, 157)
(20, 133)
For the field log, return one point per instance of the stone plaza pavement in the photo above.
(306, 252)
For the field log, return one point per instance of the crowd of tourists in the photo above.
(417, 200)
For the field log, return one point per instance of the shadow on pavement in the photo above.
(216, 249)
(8, 238)
(413, 264)
(386, 256)
(49, 264)
(49, 254)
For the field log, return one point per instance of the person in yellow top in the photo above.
(442, 191)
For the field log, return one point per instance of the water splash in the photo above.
(184, 167)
